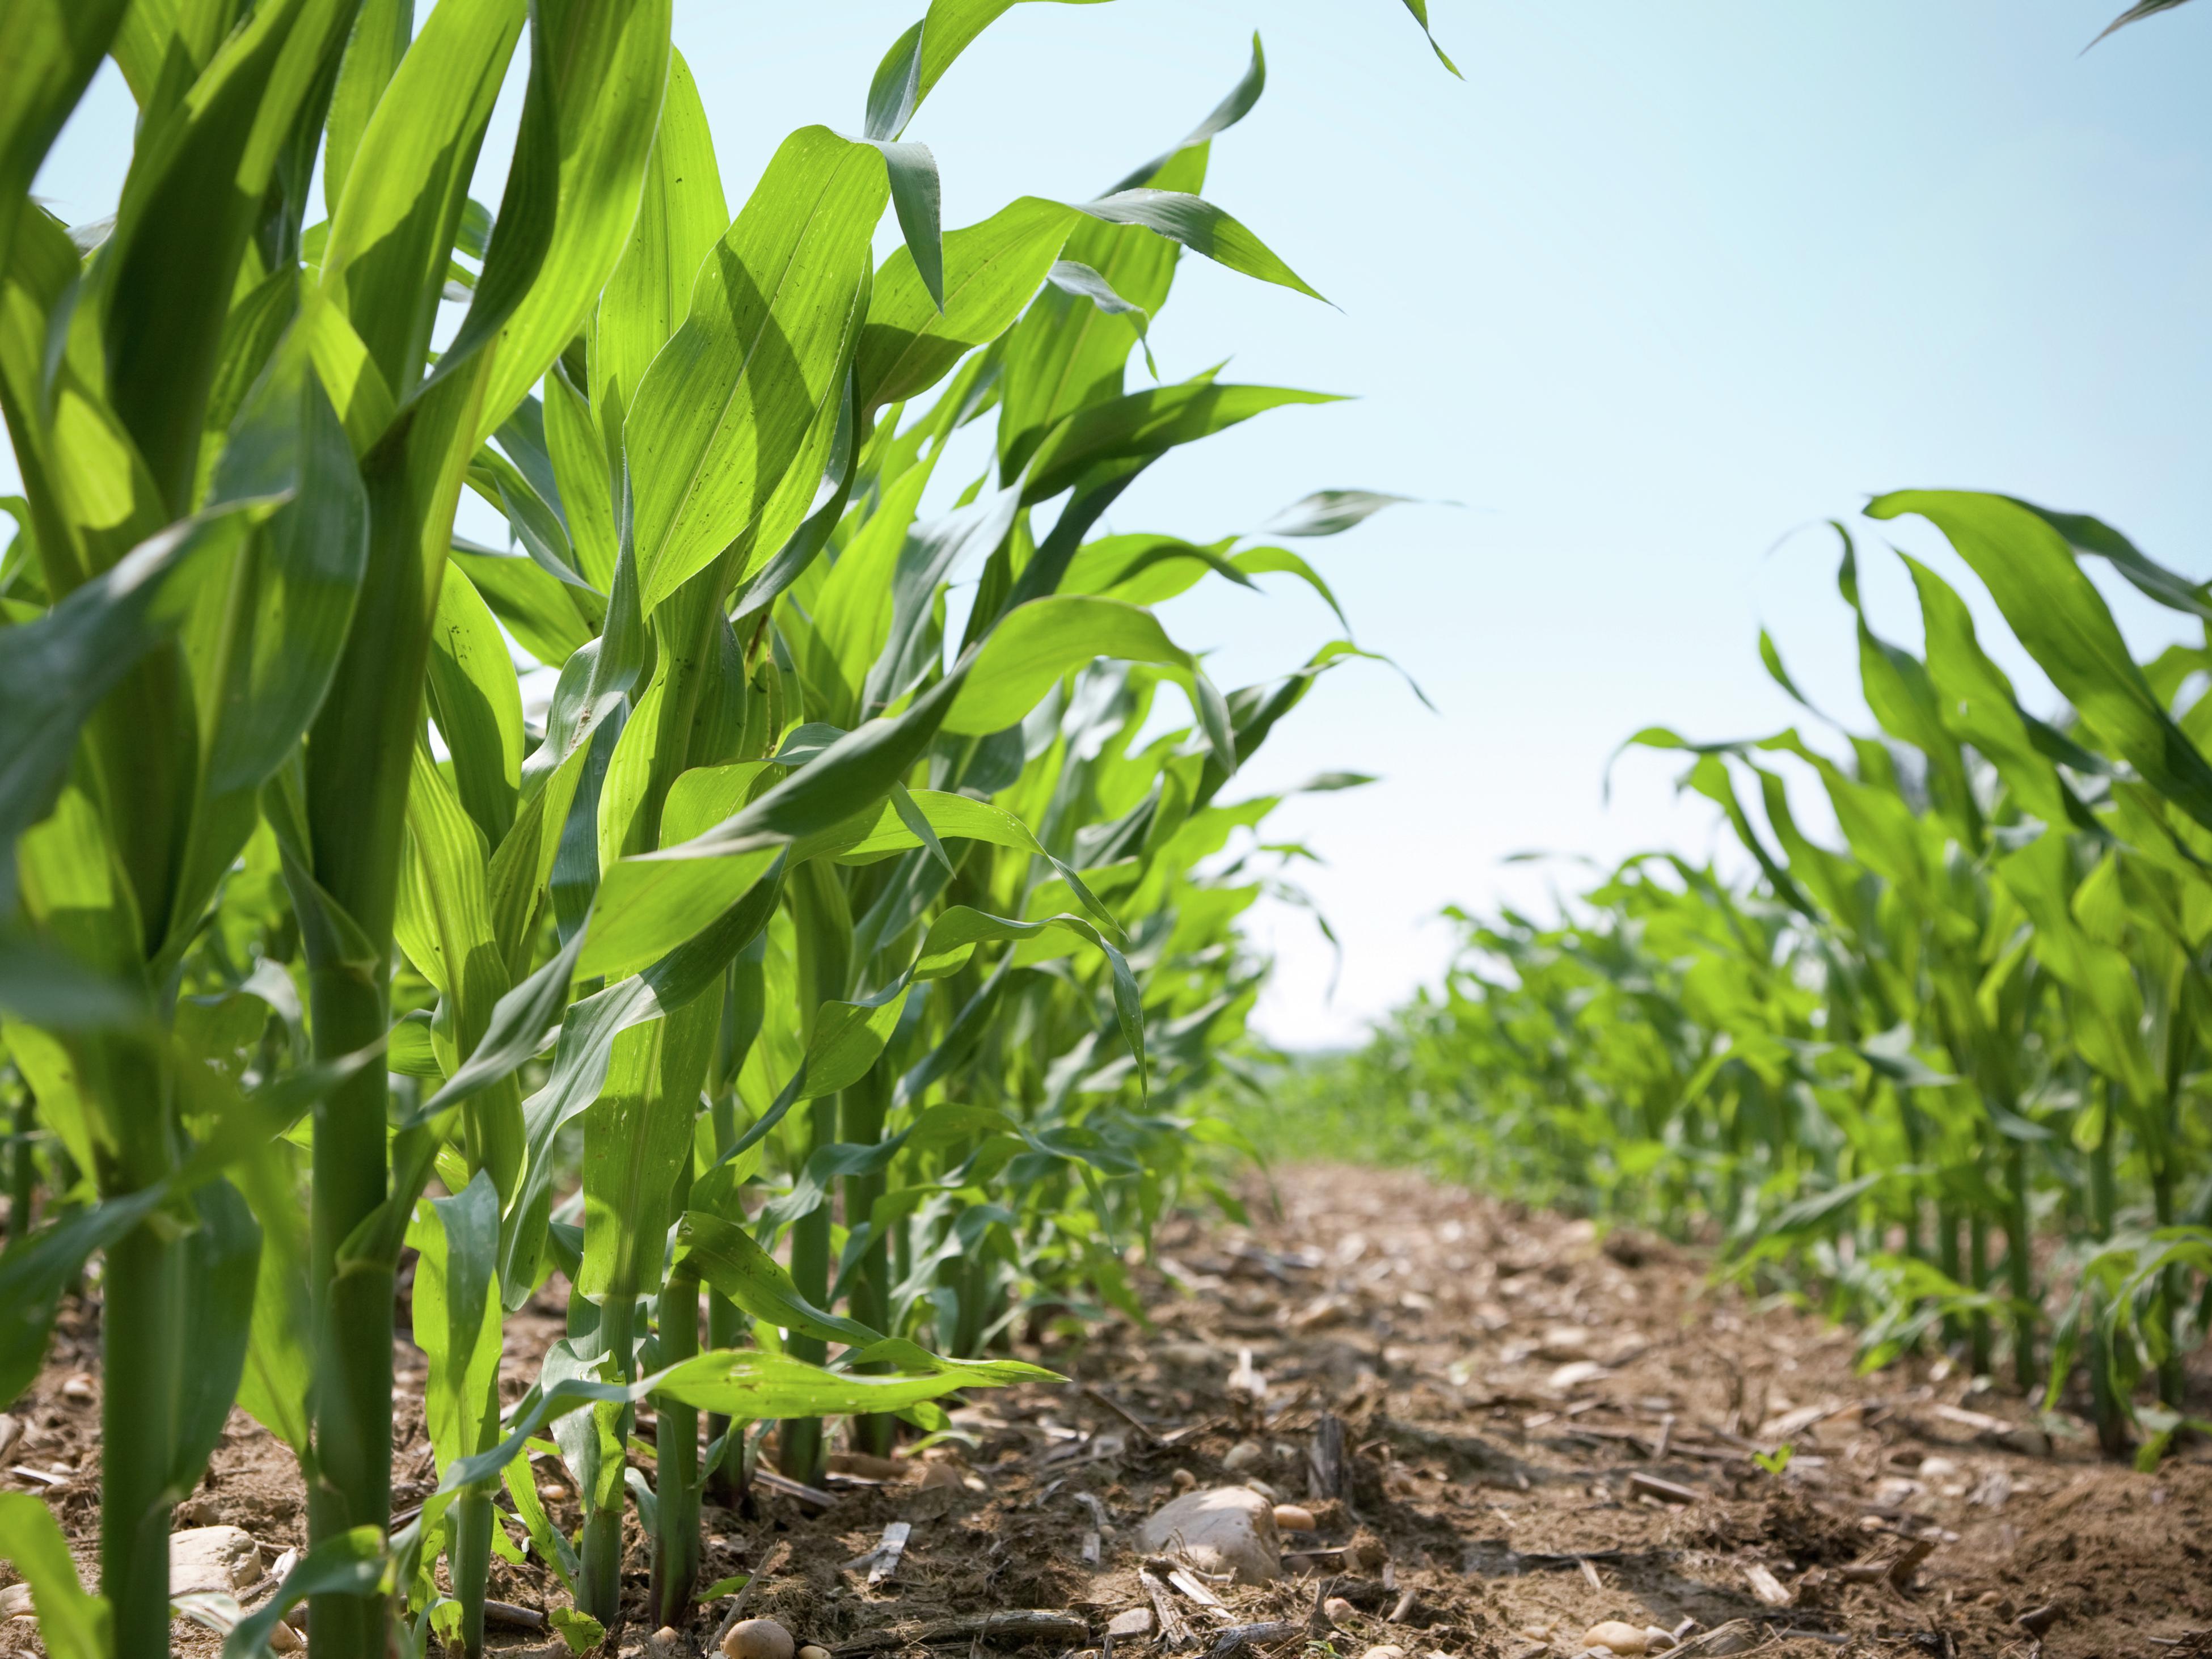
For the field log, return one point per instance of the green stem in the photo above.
(2111, 1413)
(1978, 1264)
(675, 1545)
(861, 1110)
(141, 1356)
(2172, 1296)
(469, 1558)
(602, 1549)
(1947, 1254)
(352, 1400)
(2020, 1265)
(802, 1439)
(23, 1170)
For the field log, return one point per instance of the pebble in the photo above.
(1293, 1517)
(941, 1474)
(1225, 1529)
(1626, 1639)
(78, 1388)
(1937, 1468)
(1338, 1610)
(1243, 1456)
(1183, 1480)
(758, 1639)
(810, 1651)
(1388, 1651)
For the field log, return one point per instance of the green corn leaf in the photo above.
(2057, 614)
(2136, 14)
(1977, 701)
(919, 57)
(1141, 426)
(720, 415)
(1045, 638)
(391, 233)
(51, 47)
(352, 1563)
(725, 1256)
(33, 1275)
(991, 271)
(457, 1312)
(1329, 513)
(477, 701)
(382, 30)
(2088, 535)
(650, 904)
(1074, 276)
(197, 176)
(72, 1623)
(222, 1257)
(1227, 114)
(681, 217)
(1199, 226)
(1420, 10)
(596, 74)
(542, 614)
(54, 671)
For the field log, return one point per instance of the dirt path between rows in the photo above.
(1506, 1431)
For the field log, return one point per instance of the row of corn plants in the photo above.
(1951, 1072)
(827, 969)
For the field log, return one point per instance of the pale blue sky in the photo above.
(1655, 285)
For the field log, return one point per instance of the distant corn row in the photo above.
(1952, 1074)
(839, 936)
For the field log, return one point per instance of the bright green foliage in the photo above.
(859, 902)
(1896, 1066)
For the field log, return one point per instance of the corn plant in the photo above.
(789, 890)
(1896, 1064)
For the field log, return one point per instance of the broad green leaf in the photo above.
(198, 171)
(222, 1261)
(384, 267)
(722, 412)
(34, 1274)
(457, 1313)
(992, 269)
(72, 1623)
(382, 30)
(597, 71)
(2058, 615)
(650, 904)
(1199, 226)
(919, 59)
(477, 701)
(681, 217)
(1141, 426)
(1038, 642)
(1227, 114)
(51, 48)
(54, 671)
(352, 1563)
(1329, 513)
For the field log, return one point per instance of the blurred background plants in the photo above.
(1947, 1079)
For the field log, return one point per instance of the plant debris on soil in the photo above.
(1506, 1430)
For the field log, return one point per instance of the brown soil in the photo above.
(1540, 1430)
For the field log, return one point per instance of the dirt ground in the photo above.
(1506, 1430)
